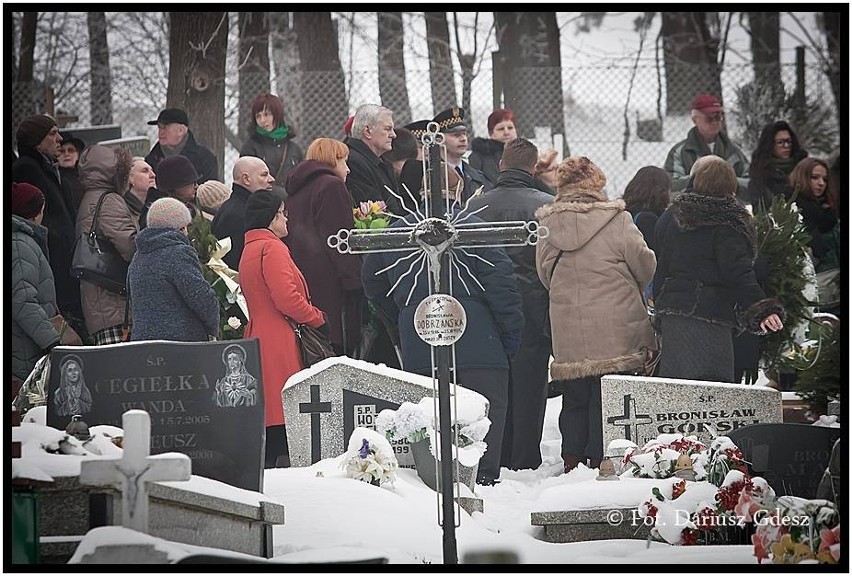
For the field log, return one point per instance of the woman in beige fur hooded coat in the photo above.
(595, 264)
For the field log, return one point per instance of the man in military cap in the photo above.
(451, 123)
(175, 138)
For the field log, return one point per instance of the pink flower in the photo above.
(761, 542)
(746, 506)
(830, 540)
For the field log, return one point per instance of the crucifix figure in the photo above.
(131, 473)
(438, 238)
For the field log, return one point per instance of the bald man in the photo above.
(250, 175)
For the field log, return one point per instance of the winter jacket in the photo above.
(230, 221)
(684, 154)
(319, 206)
(102, 308)
(492, 313)
(72, 177)
(485, 157)
(369, 175)
(274, 290)
(646, 221)
(170, 298)
(203, 159)
(33, 297)
(514, 198)
(822, 224)
(772, 180)
(598, 319)
(474, 179)
(272, 152)
(59, 218)
(706, 249)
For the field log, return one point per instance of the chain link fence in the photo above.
(615, 115)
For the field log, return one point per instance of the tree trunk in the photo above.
(392, 86)
(324, 103)
(285, 59)
(254, 65)
(100, 103)
(766, 48)
(531, 70)
(440, 62)
(27, 50)
(198, 43)
(689, 53)
(831, 25)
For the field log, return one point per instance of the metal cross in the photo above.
(434, 234)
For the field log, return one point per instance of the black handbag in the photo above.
(97, 261)
(313, 344)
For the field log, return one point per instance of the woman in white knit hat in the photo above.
(210, 196)
(170, 298)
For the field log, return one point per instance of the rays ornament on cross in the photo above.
(433, 235)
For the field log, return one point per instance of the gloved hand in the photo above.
(511, 342)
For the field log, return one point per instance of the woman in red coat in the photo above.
(274, 290)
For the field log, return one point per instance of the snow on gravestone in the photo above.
(205, 399)
(326, 402)
(639, 408)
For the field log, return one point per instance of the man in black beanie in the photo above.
(38, 141)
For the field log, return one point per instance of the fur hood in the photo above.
(692, 211)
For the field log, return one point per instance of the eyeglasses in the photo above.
(786, 143)
(717, 117)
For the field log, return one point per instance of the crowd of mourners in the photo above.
(680, 235)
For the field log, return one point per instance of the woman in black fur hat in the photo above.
(705, 287)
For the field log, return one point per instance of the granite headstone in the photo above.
(325, 403)
(205, 399)
(791, 457)
(640, 408)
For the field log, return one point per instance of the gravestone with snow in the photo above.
(326, 402)
(639, 408)
(205, 399)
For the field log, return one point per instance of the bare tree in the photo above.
(27, 47)
(100, 103)
(198, 44)
(440, 62)
(285, 60)
(468, 62)
(254, 64)
(392, 84)
(529, 60)
(690, 51)
(324, 102)
(832, 65)
(764, 30)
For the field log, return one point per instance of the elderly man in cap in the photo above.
(69, 154)
(451, 123)
(175, 138)
(39, 142)
(250, 175)
(369, 174)
(705, 138)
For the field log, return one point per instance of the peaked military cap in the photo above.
(418, 128)
(451, 120)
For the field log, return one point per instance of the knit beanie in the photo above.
(27, 200)
(168, 213)
(33, 129)
(261, 208)
(212, 194)
(577, 176)
(175, 172)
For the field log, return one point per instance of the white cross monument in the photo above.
(131, 473)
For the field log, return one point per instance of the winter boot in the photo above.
(571, 461)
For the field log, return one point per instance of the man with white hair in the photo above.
(250, 175)
(174, 137)
(372, 136)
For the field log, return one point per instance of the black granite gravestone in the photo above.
(205, 399)
(791, 457)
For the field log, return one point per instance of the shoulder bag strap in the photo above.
(555, 262)
(94, 228)
(283, 161)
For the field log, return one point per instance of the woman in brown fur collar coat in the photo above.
(595, 264)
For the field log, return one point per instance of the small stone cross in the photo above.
(135, 469)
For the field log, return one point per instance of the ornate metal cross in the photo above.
(430, 237)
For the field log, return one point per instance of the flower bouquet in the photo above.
(369, 458)
(370, 215)
(233, 310)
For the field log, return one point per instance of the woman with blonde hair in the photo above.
(319, 206)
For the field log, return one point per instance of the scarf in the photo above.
(169, 151)
(279, 133)
(784, 165)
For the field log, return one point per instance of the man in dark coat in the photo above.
(174, 137)
(250, 175)
(451, 123)
(493, 331)
(372, 137)
(38, 147)
(515, 198)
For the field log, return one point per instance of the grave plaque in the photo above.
(325, 403)
(639, 408)
(205, 399)
(791, 457)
